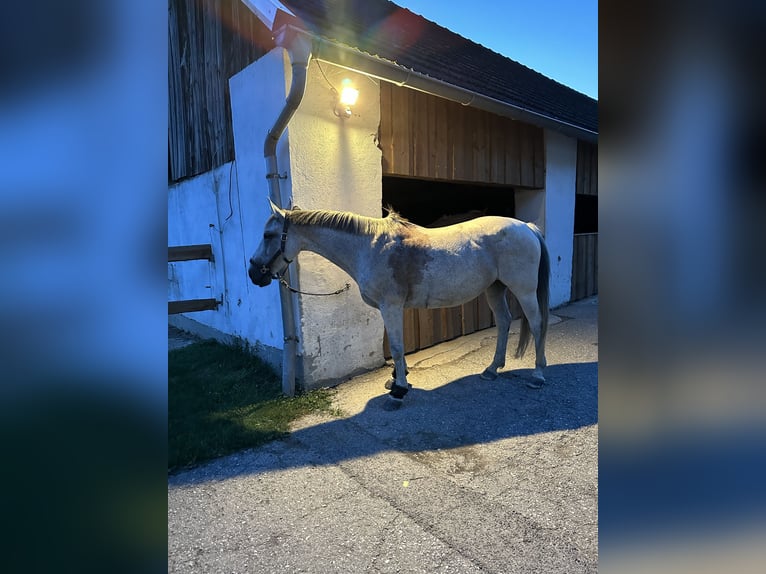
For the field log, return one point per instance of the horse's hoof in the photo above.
(392, 404)
(390, 383)
(536, 383)
(488, 375)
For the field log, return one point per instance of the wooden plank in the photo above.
(403, 131)
(595, 265)
(482, 141)
(539, 152)
(427, 326)
(590, 284)
(497, 150)
(386, 345)
(594, 171)
(584, 266)
(208, 42)
(469, 316)
(457, 143)
(527, 156)
(411, 331)
(440, 144)
(190, 252)
(451, 133)
(485, 319)
(587, 169)
(452, 322)
(191, 306)
(420, 136)
(386, 125)
(512, 154)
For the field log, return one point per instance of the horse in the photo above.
(398, 264)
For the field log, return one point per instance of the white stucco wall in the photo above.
(330, 163)
(552, 210)
(335, 164)
(560, 182)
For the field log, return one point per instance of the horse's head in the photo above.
(270, 260)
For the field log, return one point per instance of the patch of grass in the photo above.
(222, 399)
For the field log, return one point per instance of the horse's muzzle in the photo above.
(258, 277)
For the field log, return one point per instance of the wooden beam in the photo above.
(190, 252)
(191, 306)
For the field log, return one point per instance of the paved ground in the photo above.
(468, 476)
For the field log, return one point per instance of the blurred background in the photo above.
(83, 233)
(83, 128)
(682, 399)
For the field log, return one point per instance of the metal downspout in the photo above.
(299, 50)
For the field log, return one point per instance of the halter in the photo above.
(266, 268)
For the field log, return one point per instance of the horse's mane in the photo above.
(346, 221)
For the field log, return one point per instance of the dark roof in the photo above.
(383, 29)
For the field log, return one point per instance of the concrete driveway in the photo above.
(468, 476)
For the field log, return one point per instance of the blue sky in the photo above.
(556, 38)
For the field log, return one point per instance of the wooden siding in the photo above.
(428, 137)
(585, 266)
(587, 169)
(208, 42)
(425, 328)
(585, 246)
(190, 252)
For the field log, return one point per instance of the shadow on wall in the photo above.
(464, 412)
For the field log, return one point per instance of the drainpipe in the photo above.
(298, 49)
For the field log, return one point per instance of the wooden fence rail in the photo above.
(191, 253)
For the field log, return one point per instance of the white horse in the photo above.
(398, 264)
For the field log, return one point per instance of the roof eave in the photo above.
(356, 60)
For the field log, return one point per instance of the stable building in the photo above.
(441, 130)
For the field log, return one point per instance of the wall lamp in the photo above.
(348, 96)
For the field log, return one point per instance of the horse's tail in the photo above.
(543, 297)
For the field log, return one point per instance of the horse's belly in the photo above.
(446, 294)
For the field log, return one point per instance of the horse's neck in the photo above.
(340, 247)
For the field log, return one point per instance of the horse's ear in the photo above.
(275, 209)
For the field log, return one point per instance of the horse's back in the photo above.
(446, 266)
(487, 232)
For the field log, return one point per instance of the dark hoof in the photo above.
(392, 404)
(390, 383)
(488, 375)
(398, 392)
(535, 384)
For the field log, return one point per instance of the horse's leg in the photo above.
(393, 319)
(390, 381)
(531, 309)
(497, 302)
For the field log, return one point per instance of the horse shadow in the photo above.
(464, 412)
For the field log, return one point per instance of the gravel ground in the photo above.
(468, 476)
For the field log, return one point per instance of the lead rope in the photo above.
(284, 282)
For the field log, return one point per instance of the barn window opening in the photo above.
(586, 214)
(433, 203)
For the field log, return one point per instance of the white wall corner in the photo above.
(335, 164)
(257, 97)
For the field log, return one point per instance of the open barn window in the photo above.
(586, 214)
(433, 203)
